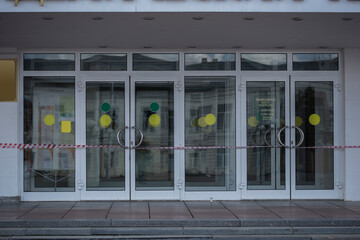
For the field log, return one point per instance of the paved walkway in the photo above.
(164, 210)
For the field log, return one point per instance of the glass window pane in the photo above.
(49, 62)
(210, 121)
(316, 61)
(315, 107)
(209, 62)
(49, 118)
(103, 62)
(105, 116)
(154, 116)
(265, 110)
(155, 62)
(263, 61)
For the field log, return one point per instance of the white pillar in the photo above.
(352, 123)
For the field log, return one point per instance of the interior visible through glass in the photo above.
(105, 116)
(210, 121)
(314, 112)
(49, 118)
(265, 112)
(154, 117)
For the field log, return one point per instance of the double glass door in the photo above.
(128, 122)
(295, 118)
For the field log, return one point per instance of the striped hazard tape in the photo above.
(53, 146)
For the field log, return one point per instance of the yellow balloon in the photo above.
(298, 121)
(194, 123)
(202, 122)
(314, 119)
(49, 120)
(210, 119)
(105, 121)
(252, 121)
(154, 120)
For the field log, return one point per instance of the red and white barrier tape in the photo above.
(52, 146)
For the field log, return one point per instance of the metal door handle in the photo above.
(118, 136)
(302, 136)
(141, 136)
(278, 136)
(265, 135)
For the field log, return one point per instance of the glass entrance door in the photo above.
(129, 123)
(286, 122)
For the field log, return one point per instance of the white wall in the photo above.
(9, 167)
(352, 123)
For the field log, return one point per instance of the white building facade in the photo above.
(180, 100)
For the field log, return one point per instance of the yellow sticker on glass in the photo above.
(298, 121)
(105, 121)
(66, 126)
(202, 122)
(210, 119)
(49, 119)
(154, 120)
(314, 119)
(252, 121)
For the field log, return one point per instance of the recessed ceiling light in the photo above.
(192, 47)
(297, 19)
(347, 19)
(97, 18)
(103, 46)
(279, 47)
(323, 47)
(197, 18)
(248, 18)
(148, 18)
(147, 47)
(237, 47)
(47, 18)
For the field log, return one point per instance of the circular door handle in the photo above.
(118, 136)
(278, 136)
(141, 136)
(302, 137)
(265, 135)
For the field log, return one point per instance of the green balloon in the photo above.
(105, 107)
(154, 107)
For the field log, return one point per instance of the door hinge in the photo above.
(241, 185)
(80, 86)
(179, 184)
(80, 184)
(241, 87)
(179, 86)
(339, 87)
(339, 185)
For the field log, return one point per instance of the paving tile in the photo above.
(169, 210)
(255, 212)
(86, 213)
(293, 212)
(21, 205)
(281, 203)
(56, 205)
(129, 210)
(12, 213)
(93, 205)
(353, 206)
(207, 210)
(240, 203)
(45, 213)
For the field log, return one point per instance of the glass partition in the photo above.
(154, 117)
(105, 116)
(208, 62)
(49, 118)
(265, 110)
(316, 61)
(155, 62)
(210, 121)
(314, 112)
(49, 62)
(103, 62)
(263, 61)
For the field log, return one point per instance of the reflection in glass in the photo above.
(103, 62)
(154, 116)
(265, 117)
(49, 62)
(49, 118)
(105, 116)
(210, 121)
(263, 61)
(156, 62)
(209, 62)
(316, 61)
(315, 106)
